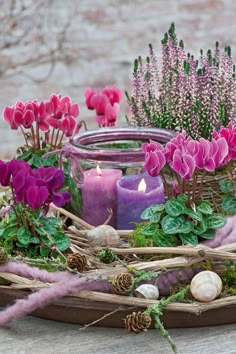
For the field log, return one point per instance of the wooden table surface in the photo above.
(31, 335)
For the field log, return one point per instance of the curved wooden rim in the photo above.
(80, 311)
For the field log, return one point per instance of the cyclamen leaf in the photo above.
(160, 239)
(174, 207)
(23, 236)
(44, 251)
(190, 238)
(229, 204)
(208, 235)
(62, 241)
(226, 185)
(186, 227)
(182, 197)
(149, 212)
(200, 228)
(35, 240)
(171, 225)
(216, 221)
(196, 215)
(10, 232)
(149, 229)
(204, 207)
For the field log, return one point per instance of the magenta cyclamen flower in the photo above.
(57, 113)
(105, 103)
(183, 164)
(229, 133)
(34, 187)
(154, 158)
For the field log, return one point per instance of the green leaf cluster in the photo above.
(36, 236)
(175, 223)
(36, 159)
(229, 200)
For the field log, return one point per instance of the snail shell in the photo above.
(104, 236)
(206, 286)
(147, 291)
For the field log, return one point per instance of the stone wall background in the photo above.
(103, 38)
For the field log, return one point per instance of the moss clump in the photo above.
(138, 239)
(229, 282)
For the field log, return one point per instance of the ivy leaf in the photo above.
(205, 207)
(208, 235)
(196, 215)
(190, 238)
(174, 207)
(216, 221)
(171, 225)
(23, 236)
(226, 185)
(149, 212)
(229, 204)
(149, 229)
(62, 241)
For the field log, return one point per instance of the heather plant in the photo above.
(182, 92)
(25, 229)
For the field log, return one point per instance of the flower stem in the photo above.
(52, 136)
(33, 138)
(62, 136)
(38, 136)
(25, 137)
(201, 187)
(56, 139)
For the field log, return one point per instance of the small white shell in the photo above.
(206, 286)
(104, 236)
(147, 291)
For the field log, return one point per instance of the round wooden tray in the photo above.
(79, 311)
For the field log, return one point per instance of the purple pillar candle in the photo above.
(132, 201)
(99, 195)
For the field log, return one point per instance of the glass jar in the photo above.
(107, 166)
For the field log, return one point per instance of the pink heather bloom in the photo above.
(229, 133)
(154, 162)
(183, 164)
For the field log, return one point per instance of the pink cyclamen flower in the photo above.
(89, 93)
(229, 133)
(183, 164)
(114, 94)
(154, 162)
(99, 102)
(220, 151)
(111, 114)
(9, 117)
(152, 146)
(179, 142)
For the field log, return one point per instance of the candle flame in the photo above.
(142, 186)
(99, 172)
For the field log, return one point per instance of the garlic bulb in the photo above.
(104, 236)
(147, 291)
(206, 286)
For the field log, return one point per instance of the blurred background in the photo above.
(58, 46)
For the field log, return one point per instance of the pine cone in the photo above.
(3, 256)
(122, 283)
(76, 261)
(138, 322)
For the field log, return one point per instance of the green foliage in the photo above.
(229, 200)
(175, 223)
(143, 276)
(229, 282)
(156, 311)
(37, 236)
(107, 255)
(36, 159)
